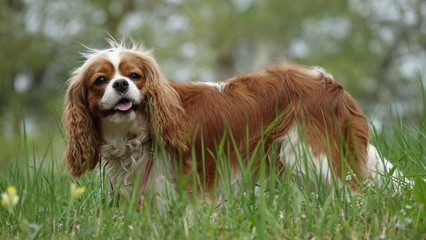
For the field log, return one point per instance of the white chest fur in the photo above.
(127, 152)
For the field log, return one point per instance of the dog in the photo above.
(122, 110)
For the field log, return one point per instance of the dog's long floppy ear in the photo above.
(165, 105)
(82, 147)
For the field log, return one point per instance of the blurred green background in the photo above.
(375, 48)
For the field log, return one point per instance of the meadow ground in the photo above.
(280, 209)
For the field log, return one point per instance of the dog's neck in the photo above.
(116, 133)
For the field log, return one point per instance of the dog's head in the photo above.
(113, 85)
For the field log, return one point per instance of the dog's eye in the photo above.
(134, 76)
(100, 80)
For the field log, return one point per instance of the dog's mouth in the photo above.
(123, 106)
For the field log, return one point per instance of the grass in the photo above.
(278, 209)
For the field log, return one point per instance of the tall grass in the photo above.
(276, 207)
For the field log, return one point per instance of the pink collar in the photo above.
(148, 168)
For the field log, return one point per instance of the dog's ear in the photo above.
(168, 116)
(82, 147)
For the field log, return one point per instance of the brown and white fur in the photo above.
(119, 105)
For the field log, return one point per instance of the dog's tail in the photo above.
(381, 169)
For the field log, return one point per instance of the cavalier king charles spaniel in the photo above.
(151, 131)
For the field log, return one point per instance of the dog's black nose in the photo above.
(121, 85)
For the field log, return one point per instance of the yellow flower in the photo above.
(9, 199)
(76, 191)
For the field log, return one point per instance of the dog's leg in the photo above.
(379, 167)
(296, 156)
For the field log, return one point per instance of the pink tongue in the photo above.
(123, 106)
